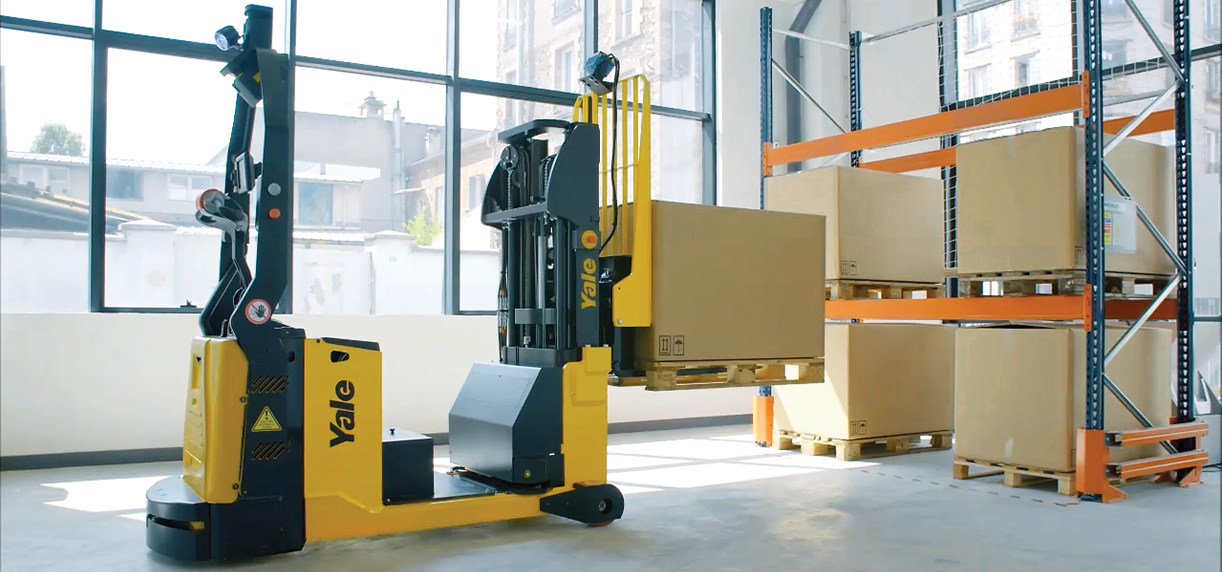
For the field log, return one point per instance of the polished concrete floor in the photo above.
(696, 500)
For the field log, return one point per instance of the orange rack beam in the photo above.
(1173, 432)
(1038, 308)
(1156, 465)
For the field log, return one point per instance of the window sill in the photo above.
(1024, 34)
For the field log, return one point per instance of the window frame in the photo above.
(448, 197)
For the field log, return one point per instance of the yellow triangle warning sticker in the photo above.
(266, 422)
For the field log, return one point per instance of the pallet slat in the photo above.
(866, 289)
(1015, 476)
(1056, 282)
(671, 376)
(853, 449)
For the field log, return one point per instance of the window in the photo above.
(565, 65)
(187, 187)
(74, 12)
(666, 44)
(625, 22)
(1213, 81)
(978, 81)
(314, 204)
(1213, 151)
(682, 43)
(123, 184)
(1213, 20)
(1115, 53)
(45, 178)
(193, 21)
(46, 82)
(977, 30)
(519, 35)
(562, 8)
(476, 185)
(368, 32)
(1115, 9)
(1025, 19)
(1023, 70)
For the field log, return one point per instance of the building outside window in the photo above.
(1025, 19)
(565, 66)
(476, 185)
(562, 8)
(626, 24)
(1213, 151)
(54, 179)
(1023, 71)
(978, 81)
(123, 184)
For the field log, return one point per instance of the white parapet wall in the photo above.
(73, 383)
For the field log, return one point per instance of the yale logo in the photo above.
(589, 290)
(345, 413)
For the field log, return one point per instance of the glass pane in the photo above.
(677, 162)
(525, 42)
(73, 12)
(192, 21)
(661, 40)
(369, 166)
(1011, 45)
(44, 171)
(483, 118)
(404, 35)
(165, 143)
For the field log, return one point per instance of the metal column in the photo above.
(855, 91)
(765, 110)
(1092, 41)
(1185, 369)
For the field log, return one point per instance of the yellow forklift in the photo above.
(284, 442)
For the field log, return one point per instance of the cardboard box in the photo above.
(734, 284)
(1022, 202)
(880, 380)
(1020, 392)
(884, 227)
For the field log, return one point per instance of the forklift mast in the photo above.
(546, 207)
(243, 299)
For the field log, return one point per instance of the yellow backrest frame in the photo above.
(632, 299)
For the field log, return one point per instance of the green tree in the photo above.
(57, 139)
(425, 229)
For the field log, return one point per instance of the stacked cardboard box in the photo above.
(734, 284)
(881, 227)
(880, 380)
(1020, 392)
(1022, 203)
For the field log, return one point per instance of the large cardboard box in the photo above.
(734, 284)
(880, 380)
(1020, 392)
(1022, 202)
(884, 227)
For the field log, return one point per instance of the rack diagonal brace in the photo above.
(1137, 119)
(1141, 320)
(794, 83)
(1162, 241)
(1128, 404)
(1145, 25)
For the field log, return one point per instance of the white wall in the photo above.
(100, 382)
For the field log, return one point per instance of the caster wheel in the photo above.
(601, 524)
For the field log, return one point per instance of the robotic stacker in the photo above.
(284, 440)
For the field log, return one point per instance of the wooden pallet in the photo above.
(669, 376)
(853, 449)
(1014, 475)
(1056, 282)
(864, 289)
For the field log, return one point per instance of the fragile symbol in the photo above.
(258, 311)
(857, 428)
(676, 346)
(663, 345)
(266, 422)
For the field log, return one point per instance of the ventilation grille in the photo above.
(269, 384)
(269, 451)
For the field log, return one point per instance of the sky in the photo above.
(179, 110)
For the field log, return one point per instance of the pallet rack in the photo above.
(1082, 95)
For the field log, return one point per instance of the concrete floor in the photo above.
(696, 500)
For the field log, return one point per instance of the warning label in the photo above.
(857, 428)
(676, 346)
(663, 345)
(266, 422)
(848, 268)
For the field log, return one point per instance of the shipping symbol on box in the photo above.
(848, 268)
(857, 428)
(670, 345)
